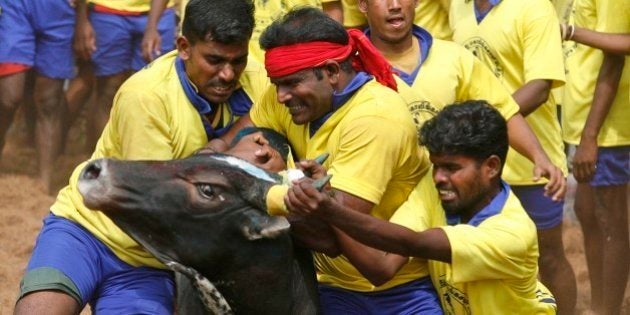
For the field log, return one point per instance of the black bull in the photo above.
(207, 212)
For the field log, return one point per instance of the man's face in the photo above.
(307, 97)
(251, 147)
(390, 20)
(463, 185)
(214, 68)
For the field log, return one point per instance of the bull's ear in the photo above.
(265, 227)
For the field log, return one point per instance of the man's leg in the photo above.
(78, 96)
(593, 240)
(106, 88)
(28, 109)
(47, 302)
(555, 270)
(11, 87)
(111, 60)
(612, 215)
(602, 207)
(50, 107)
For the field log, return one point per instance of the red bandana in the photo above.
(285, 60)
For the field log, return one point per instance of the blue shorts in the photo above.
(613, 166)
(110, 285)
(119, 40)
(38, 33)
(545, 212)
(415, 297)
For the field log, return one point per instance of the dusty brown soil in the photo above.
(23, 205)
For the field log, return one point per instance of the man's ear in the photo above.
(183, 47)
(363, 6)
(332, 69)
(493, 164)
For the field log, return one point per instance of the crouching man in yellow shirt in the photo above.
(480, 242)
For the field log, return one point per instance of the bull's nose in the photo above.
(92, 170)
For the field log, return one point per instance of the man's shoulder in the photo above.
(531, 6)
(374, 93)
(514, 212)
(157, 76)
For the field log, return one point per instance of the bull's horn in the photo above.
(320, 183)
(269, 227)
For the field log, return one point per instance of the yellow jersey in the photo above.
(494, 263)
(374, 155)
(583, 64)
(519, 41)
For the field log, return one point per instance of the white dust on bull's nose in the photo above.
(247, 167)
(96, 188)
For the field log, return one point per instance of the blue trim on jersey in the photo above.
(493, 208)
(339, 99)
(481, 15)
(426, 42)
(239, 102)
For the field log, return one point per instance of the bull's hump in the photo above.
(247, 167)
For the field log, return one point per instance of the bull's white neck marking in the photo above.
(247, 167)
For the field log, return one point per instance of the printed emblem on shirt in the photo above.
(482, 50)
(421, 112)
(454, 300)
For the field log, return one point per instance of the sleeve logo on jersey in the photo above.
(454, 300)
(482, 50)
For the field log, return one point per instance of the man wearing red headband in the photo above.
(334, 93)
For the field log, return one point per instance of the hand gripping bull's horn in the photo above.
(320, 183)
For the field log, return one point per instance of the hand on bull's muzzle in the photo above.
(311, 172)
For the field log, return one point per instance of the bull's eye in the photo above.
(205, 190)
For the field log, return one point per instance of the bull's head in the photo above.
(166, 206)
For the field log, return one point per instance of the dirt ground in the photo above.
(23, 205)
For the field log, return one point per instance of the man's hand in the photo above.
(304, 199)
(557, 185)
(312, 168)
(84, 39)
(151, 43)
(584, 161)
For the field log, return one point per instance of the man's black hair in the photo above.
(276, 140)
(303, 25)
(472, 128)
(222, 21)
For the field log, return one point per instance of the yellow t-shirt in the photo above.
(151, 119)
(266, 12)
(563, 11)
(452, 74)
(519, 41)
(374, 155)
(494, 265)
(128, 5)
(431, 15)
(583, 64)
(409, 214)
